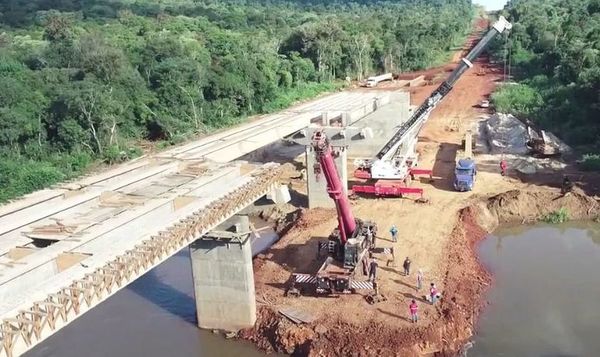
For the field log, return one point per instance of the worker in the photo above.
(374, 239)
(373, 269)
(414, 308)
(394, 233)
(433, 293)
(503, 167)
(419, 279)
(370, 237)
(406, 266)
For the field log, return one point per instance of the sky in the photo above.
(491, 4)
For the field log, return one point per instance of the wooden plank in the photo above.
(20, 252)
(66, 260)
(297, 315)
(182, 201)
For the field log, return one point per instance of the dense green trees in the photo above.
(555, 52)
(87, 80)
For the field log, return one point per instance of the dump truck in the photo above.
(374, 81)
(465, 170)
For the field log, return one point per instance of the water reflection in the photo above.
(545, 298)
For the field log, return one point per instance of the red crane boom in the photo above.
(335, 188)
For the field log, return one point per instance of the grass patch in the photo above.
(590, 162)
(20, 176)
(557, 217)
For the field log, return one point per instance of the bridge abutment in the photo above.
(224, 278)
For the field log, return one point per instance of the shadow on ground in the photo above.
(443, 168)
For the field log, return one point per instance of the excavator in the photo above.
(397, 160)
(349, 244)
(540, 145)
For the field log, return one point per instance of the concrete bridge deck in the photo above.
(66, 249)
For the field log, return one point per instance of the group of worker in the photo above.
(413, 306)
(433, 293)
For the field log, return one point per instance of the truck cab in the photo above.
(464, 175)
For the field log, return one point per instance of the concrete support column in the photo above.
(224, 278)
(317, 185)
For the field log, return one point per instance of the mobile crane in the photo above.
(349, 244)
(397, 160)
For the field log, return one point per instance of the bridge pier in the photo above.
(223, 277)
(340, 136)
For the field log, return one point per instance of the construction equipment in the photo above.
(465, 170)
(567, 186)
(374, 81)
(375, 296)
(349, 244)
(540, 145)
(397, 160)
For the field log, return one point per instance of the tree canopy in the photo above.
(554, 50)
(87, 80)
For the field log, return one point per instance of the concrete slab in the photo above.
(384, 123)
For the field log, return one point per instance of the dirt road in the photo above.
(437, 237)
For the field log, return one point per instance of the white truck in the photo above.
(374, 81)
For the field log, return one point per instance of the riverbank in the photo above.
(446, 328)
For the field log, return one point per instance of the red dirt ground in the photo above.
(439, 237)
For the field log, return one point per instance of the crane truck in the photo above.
(349, 244)
(398, 159)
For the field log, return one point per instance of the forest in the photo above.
(554, 56)
(88, 82)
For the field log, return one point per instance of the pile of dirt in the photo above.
(519, 206)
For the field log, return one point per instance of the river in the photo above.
(155, 316)
(545, 300)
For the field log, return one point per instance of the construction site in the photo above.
(419, 152)
(438, 229)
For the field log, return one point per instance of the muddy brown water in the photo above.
(545, 300)
(155, 316)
